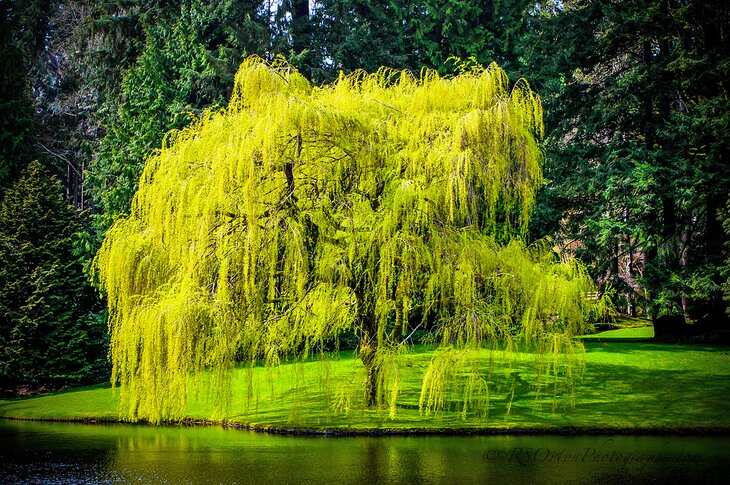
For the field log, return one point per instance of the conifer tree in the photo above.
(47, 329)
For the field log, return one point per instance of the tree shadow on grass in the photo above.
(630, 346)
(627, 396)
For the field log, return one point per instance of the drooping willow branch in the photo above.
(268, 228)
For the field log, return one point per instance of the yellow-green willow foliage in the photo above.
(269, 227)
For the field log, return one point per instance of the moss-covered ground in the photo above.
(631, 385)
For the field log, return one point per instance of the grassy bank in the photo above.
(626, 386)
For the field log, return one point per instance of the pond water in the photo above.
(78, 453)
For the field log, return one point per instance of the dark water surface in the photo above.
(78, 453)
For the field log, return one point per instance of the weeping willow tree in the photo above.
(377, 203)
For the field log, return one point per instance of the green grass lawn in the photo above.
(630, 385)
(623, 333)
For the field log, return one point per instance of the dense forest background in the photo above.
(637, 114)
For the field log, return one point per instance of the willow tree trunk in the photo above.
(368, 349)
(367, 355)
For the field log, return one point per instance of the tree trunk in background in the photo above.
(685, 240)
(711, 312)
(654, 113)
(668, 325)
(300, 25)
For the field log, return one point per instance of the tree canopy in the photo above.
(377, 203)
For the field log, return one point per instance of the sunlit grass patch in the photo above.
(646, 332)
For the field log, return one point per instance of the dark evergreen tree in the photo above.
(48, 327)
(637, 166)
